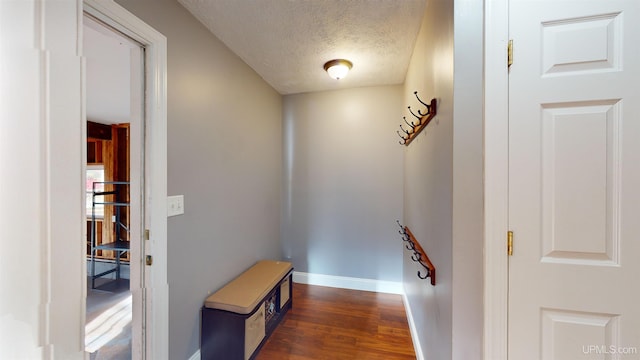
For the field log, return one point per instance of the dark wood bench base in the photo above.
(226, 335)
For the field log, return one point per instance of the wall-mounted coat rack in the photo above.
(418, 254)
(414, 128)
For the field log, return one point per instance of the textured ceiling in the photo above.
(288, 41)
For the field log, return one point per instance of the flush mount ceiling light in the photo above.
(338, 68)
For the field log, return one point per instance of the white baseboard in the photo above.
(343, 282)
(412, 329)
(195, 356)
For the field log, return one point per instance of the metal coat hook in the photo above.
(428, 274)
(405, 235)
(416, 256)
(406, 131)
(410, 123)
(417, 116)
(423, 103)
(402, 231)
(403, 137)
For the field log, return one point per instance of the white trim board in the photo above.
(412, 329)
(390, 287)
(496, 178)
(196, 355)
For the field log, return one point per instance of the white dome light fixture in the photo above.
(338, 68)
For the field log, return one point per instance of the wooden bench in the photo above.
(237, 319)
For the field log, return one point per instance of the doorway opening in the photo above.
(114, 87)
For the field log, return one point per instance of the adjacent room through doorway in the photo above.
(114, 81)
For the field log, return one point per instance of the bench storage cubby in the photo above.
(237, 319)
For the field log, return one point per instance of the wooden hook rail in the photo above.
(407, 135)
(419, 255)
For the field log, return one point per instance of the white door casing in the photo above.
(574, 171)
(153, 285)
(496, 178)
(40, 181)
(137, 178)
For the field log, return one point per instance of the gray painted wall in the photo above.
(343, 182)
(444, 181)
(428, 191)
(224, 155)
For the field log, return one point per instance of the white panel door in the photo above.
(574, 180)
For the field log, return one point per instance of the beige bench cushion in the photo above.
(244, 293)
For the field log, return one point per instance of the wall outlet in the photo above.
(175, 205)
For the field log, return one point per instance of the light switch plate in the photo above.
(175, 205)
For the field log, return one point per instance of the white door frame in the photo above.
(155, 286)
(496, 178)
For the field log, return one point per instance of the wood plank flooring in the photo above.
(335, 324)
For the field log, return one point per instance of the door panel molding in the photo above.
(573, 170)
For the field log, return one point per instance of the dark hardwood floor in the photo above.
(329, 323)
